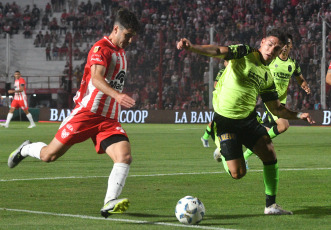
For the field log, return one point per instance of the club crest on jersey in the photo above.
(120, 129)
(96, 49)
(289, 68)
(276, 65)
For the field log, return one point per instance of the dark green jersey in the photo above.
(243, 80)
(282, 70)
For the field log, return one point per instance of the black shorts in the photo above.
(233, 133)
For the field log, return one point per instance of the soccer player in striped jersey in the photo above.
(98, 105)
(19, 101)
(282, 68)
(234, 98)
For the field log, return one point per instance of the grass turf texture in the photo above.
(169, 163)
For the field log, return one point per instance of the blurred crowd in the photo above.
(155, 66)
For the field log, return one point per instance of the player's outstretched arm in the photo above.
(281, 111)
(206, 50)
(303, 83)
(98, 80)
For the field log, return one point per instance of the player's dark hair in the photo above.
(127, 19)
(17, 71)
(278, 34)
(289, 36)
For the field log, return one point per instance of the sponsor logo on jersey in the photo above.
(118, 82)
(227, 136)
(70, 127)
(64, 134)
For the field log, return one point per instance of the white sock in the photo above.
(116, 181)
(9, 117)
(33, 150)
(29, 116)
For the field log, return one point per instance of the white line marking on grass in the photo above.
(153, 175)
(113, 219)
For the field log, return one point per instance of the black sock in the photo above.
(270, 200)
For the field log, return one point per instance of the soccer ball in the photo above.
(189, 210)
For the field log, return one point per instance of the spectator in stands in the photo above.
(88, 8)
(63, 26)
(36, 12)
(48, 52)
(77, 39)
(7, 30)
(55, 52)
(63, 51)
(53, 25)
(77, 53)
(39, 37)
(47, 38)
(44, 21)
(27, 9)
(27, 31)
(48, 10)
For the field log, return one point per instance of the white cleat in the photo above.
(4, 125)
(32, 126)
(115, 206)
(217, 155)
(16, 157)
(205, 143)
(275, 209)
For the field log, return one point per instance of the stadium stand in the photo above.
(184, 86)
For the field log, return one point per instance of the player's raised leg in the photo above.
(39, 150)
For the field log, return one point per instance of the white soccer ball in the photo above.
(190, 210)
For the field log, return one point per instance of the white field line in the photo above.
(153, 175)
(112, 219)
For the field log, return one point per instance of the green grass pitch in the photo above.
(169, 163)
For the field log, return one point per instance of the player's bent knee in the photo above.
(127, 159)
(238, 174)
(48, 158)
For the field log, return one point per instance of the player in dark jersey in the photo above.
(282, 68)
(247, 76)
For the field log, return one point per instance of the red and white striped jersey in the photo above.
(105, 53)
(20, 96)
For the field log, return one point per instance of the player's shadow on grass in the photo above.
(172, 218)
(314, 211)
